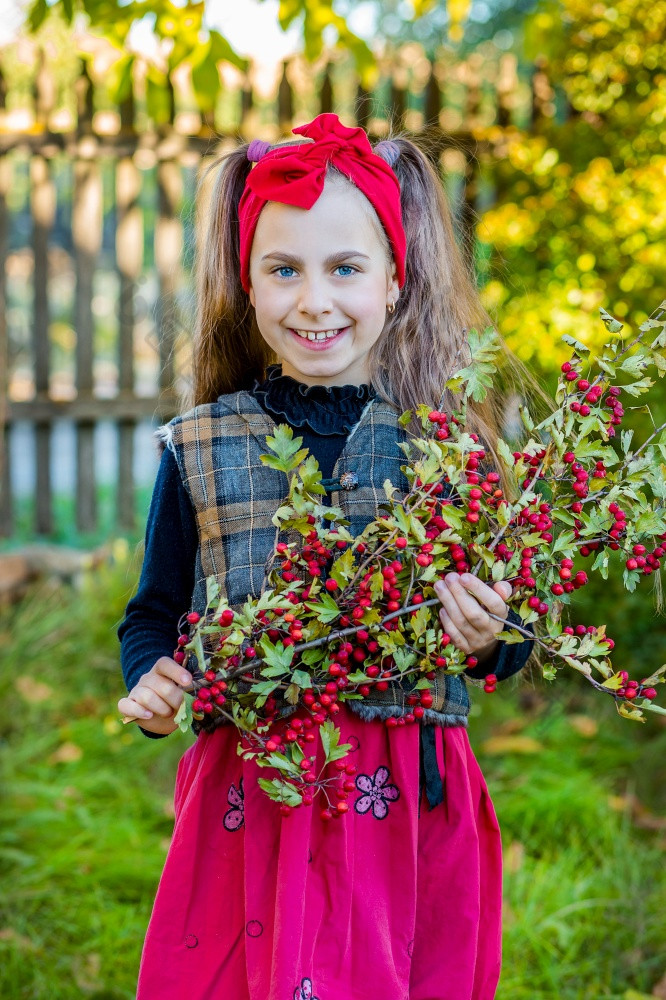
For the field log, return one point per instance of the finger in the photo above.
(469, 607)
(166, 667)
(482, 593)
(160, 702)
(457, 637)
(131, 710)
(507, 589)
(452, 618)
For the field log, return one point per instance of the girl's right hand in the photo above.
(157, 696)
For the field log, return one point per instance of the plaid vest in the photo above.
(234, 495)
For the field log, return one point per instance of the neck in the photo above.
(350, 376)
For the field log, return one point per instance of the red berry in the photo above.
(401, 543)
(226, 617)
(193, 617)
(331, 584)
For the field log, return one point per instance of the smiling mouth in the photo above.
(318, 335)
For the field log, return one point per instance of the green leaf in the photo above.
(576, 344)
(212, 591)
(312, 657)
(325, 609)
(613, 325)
(184, 716)
(281, 791)
(277, 656)
(343, 568)
(301, 678)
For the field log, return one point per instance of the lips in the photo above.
(318, 340)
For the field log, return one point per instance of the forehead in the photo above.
(341, 215)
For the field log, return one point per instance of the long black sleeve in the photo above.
(150, 627)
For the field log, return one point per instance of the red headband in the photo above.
(295, 175)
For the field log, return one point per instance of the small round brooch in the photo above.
(349, 481)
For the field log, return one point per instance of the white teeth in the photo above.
(317, 335)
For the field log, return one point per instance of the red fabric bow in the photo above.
(295, 175)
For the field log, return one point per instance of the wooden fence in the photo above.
(107, 158)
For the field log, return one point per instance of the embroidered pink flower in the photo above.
(304, 991)
(377, 793)
(234, 818)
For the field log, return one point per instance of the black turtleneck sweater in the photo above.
(323, 417)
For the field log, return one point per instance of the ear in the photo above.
(393, 290)
(253, 298)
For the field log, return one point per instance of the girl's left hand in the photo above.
(465, 599)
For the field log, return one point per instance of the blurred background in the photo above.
(547, 119)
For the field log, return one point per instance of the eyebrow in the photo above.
(291, 259)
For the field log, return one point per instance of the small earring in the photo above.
(391, 308)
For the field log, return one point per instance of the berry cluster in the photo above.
(344, 617)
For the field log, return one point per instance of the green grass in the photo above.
(85, 817)
(64, 519)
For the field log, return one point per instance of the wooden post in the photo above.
(506, 88)
(86, 238)
(470, 182)
(247, 102)
(363, 106)
(432, 101)
(43, 92)
(42, 199)
(326, 92)
(542, 94)
(168, 251)
(129, 260)
(6, 513)
(398, 106)
(285, 102)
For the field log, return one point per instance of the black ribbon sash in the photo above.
(429, 772)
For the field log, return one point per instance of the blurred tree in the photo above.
(580, 215)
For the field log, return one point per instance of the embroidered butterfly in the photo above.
(304, 991)
(234, 818)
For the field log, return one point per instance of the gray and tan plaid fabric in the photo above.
(218, 447)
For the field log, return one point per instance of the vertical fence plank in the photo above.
(285, 102)
(42, 199)
(86, 238)
(6, 514)
(86, 235)
(363, 106)
(326, 92)
(432, 100)
(168, 252)
(129, 261)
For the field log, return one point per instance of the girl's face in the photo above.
(320, 285)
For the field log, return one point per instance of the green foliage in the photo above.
(579, 215)
(182, 36)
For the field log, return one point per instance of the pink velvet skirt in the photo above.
(394, 901)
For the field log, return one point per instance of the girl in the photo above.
(338, 262)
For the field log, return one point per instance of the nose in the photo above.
(314, 297)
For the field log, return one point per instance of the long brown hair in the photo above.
(423, 342)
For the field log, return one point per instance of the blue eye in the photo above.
(347, 268)
(281, 270)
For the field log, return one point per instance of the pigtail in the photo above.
(228, 350)
(425, 340)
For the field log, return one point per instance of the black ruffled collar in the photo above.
(326, 410)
